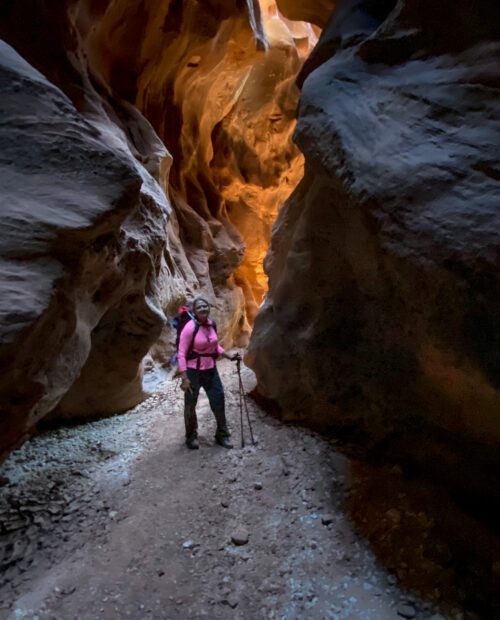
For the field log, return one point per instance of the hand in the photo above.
(186, 385)
(236, 358)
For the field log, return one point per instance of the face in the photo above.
(201, 311)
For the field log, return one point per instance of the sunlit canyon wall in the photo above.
(222, 97)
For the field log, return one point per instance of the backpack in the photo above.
(183, 317)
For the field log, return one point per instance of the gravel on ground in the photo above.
(118, 519)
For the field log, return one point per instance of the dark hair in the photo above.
(198, 300)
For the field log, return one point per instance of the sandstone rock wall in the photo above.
(382, 318)
(217, 83)
(316, 12)
(82, 242)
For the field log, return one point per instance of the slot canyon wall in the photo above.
(382, 321)
(223, 98)
(144, 152)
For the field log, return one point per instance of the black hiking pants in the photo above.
(210, 381)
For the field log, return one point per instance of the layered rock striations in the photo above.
(382, 318)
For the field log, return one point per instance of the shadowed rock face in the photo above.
(82, 240)
(216, 80)
(382, 318)
(316, 12)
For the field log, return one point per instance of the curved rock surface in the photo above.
(316, 12)
(82, 241)
(382, 319)
(218, 86)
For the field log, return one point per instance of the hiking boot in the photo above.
(192, 443)
(224, 442)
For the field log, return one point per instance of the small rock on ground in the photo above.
(406, 611)
(240, 536)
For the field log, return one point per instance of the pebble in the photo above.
(230, 600)
(394, 515)
(258, 486)
(327, 519)
(406, 611)
(188, 544)
(240, 536)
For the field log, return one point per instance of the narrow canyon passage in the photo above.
(116, 519)
(325, 174)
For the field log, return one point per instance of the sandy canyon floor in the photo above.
(117, 519)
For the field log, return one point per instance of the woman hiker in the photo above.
(197, 365)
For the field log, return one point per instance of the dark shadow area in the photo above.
(424, 537)
(353, 21)
(444, 547)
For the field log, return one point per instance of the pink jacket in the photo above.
(206, 341)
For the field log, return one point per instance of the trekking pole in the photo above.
(248, 414)
(238, 362)
(243, 398)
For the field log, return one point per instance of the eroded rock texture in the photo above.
(382, 320)
(217, 81)
(82, 240)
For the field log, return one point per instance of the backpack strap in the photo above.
(191, 354)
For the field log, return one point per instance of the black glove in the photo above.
(236, 358)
